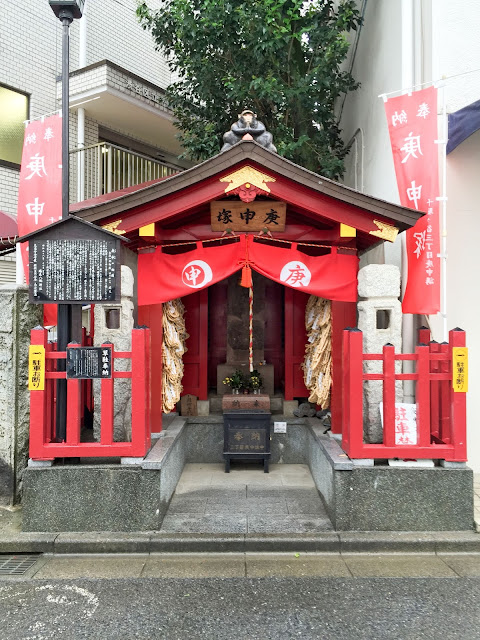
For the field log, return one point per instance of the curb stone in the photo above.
(158, 542)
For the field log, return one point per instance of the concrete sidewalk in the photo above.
(251, 565)
(276, 512)
(476, 500)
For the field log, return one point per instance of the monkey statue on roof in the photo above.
(248, 127)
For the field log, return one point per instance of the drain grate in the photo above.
(16, 565)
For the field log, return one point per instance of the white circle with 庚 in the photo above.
(197, 274)
(296, 274)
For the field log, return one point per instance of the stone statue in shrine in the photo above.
(248, 127)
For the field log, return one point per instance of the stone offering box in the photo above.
(246, 436)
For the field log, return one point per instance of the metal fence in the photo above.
(103, 167)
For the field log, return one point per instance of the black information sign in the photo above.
(74, 271)
(74, 262)
(89, 362)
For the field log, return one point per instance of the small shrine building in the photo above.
(249, 208)
(247, 264)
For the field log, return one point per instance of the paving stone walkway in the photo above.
(246, 500)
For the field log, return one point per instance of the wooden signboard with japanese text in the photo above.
(248, 216)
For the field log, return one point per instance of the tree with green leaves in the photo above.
(280, 58)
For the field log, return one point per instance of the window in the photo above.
(13, 113)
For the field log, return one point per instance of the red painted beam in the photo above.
(296, 232)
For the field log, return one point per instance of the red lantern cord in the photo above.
(250, 327)
(246, 280)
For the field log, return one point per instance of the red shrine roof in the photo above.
(170, 199)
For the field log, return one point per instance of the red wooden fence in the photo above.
(441, 411)
(42, 412)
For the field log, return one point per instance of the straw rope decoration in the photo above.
(173, 348)
(250, 329)
(317, 366)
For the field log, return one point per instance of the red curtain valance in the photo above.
(163, 276)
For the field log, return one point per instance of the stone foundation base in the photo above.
(114, 497)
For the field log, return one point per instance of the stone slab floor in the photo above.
(246, 500)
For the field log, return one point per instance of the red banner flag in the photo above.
(412, 124)
(40, 188)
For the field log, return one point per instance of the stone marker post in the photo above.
(380, 320)
(114, 323)
(17, 318)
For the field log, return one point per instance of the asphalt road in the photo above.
(241, 608)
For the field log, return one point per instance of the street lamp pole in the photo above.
(66, 11)
(67, 18)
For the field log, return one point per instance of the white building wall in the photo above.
(378, 67)
(30, 46)
(456, 50)
(30, 59)
(113, 33)
(404, 43)
(463, 289)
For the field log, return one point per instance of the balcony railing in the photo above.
(102, 168)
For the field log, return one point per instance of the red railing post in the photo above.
(106, 402)
(140, 401)
(89, 385)
(444, 393)
(423, 395)
(50, 389)
(148, 383)
(389, 395)
(424, 335)
(39, 428)
(352, 428)
(458, 403)
(434, 393)
(345, 413)
(74, 406)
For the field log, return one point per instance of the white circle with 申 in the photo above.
(197, 274)
(296, 274)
